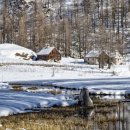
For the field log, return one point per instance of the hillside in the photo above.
(14, 51)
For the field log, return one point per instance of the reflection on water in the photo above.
(108, 118)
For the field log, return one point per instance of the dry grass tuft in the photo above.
(32, 88)
(60, 119)
(17, 88)
(53, 119)
(55, 92)
(63, 118)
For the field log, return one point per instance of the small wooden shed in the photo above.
(92, 57)
(49, 53)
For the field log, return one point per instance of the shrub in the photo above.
(55, 92)
(32, 88)
(17, 88)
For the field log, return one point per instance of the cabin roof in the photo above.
(93, 53)
(45, 51)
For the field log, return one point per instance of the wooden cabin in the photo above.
(92, 57)
(49, 54)
(103, 58)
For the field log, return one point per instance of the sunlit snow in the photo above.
(69, 73)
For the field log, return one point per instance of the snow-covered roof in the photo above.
(45, 51)
(10, 50)
(93, 53)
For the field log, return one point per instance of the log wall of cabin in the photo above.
(54, 55)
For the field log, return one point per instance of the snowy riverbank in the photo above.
(69, 73)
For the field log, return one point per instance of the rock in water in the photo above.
(84, 98)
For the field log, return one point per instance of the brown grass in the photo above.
(54, 119)
(62, 118)
(55, 92)
(17, 88)
(32, 88)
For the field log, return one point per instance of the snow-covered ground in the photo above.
(12, 102)
(97, 81)
(69, 73)
(13, 51)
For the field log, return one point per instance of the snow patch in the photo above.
(14, 51)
